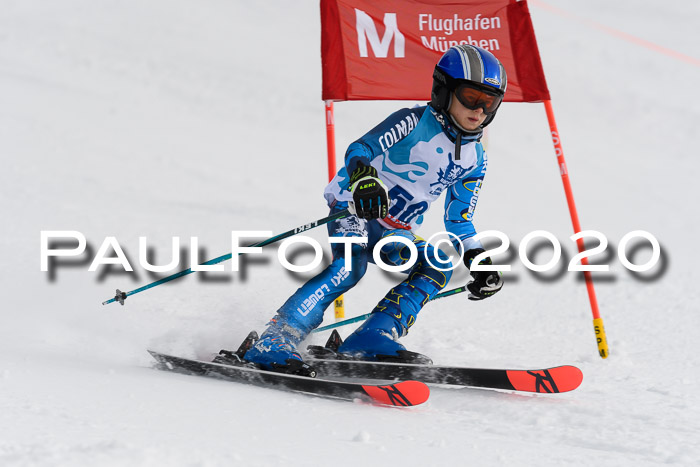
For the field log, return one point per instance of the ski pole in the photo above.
(364, 317)
(121, 296)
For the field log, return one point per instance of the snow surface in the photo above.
(167, 118)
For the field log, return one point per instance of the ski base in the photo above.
(399, 394)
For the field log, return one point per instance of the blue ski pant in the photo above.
(304, 310)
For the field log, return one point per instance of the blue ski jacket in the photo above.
(413, 152)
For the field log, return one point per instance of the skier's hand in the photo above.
(370, 198)
(485, 283)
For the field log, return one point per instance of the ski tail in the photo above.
(552, 380)
(403, 394)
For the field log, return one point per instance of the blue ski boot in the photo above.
(276, 351)
(378, 340)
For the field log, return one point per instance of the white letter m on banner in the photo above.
(367, 30)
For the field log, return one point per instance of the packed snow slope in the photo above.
(195, 118)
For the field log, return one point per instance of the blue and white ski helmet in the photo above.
(471, 64)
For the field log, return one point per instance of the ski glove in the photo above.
(485, 283)
(370, 198)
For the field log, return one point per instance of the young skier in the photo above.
(391, 176)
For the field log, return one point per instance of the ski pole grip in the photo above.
(600, 337)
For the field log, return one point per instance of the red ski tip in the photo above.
(551, 380)
(403, 394)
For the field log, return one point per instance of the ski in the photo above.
(549, 380)
(399, 394)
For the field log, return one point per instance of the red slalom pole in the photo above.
(339, 305)
(597, 320)
(330, 139)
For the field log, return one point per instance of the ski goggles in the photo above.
(473, 97)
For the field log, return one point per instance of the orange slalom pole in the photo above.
(597, 320)
(339, 305)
